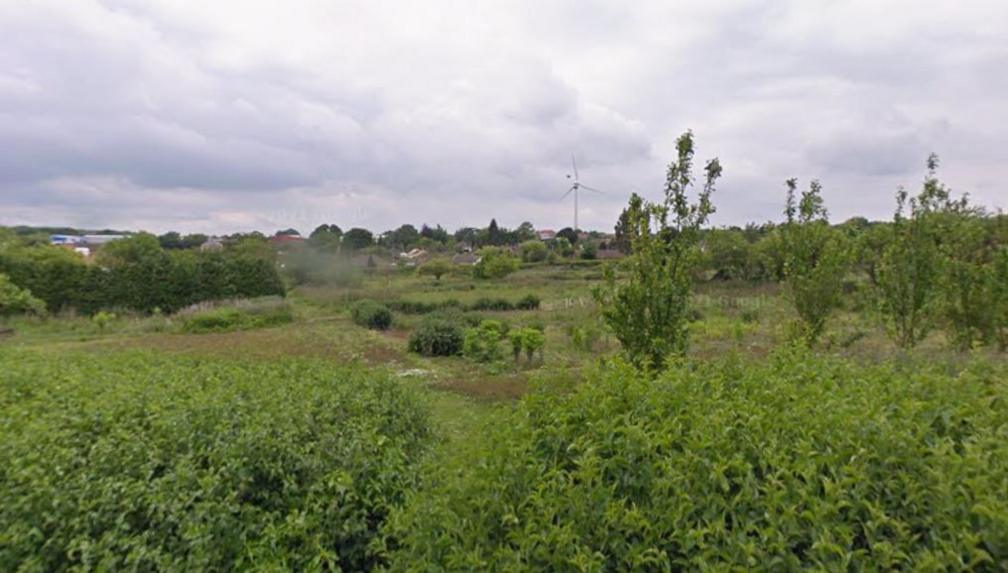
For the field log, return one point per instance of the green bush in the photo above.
(495, 263)
(437, 336)
(486, 303)
(143, 462)
(16, 300)
(420, 307)
(225, 316)
(482, 343)
(534, 251)
(371, 314)
(799, 464)
(528, 302)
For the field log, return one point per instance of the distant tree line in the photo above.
(138, 273)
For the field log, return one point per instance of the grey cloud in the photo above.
(217, 116)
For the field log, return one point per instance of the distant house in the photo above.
(212, 244)
(546, 234)
(65, 240)
(414, 257)
(466, 259)
(94, 241)
(286, 239)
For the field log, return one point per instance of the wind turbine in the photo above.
(575, 187)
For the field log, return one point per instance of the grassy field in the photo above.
(466, 401)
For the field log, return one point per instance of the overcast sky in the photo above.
(217, 116)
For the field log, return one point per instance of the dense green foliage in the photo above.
(815, 260)
(647, 307)
(371, 314)
(235, 315)
(799, 463)
(495, 263)
(436, 268)
(437, 336)
(482, 342)
(143, 462)
(137, 273)
(16, 300)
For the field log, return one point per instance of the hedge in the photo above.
(803, 463)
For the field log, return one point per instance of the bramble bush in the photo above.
(437, 336)
(144, 462)
(225, 316)
(799, 463)
(371, 314)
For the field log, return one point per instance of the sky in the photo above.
(224, 116)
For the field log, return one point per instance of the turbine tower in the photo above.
(576, 186)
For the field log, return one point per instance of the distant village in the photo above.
(385, 249)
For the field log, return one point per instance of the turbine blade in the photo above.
(592, 189)
(574, 163)
(564, 196)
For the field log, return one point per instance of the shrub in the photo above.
(420, 307)
(16, 300)
(138, 461)
(486, 303)
(437, 336)
(583, 338)
(482, 343)
(798, 464)
(534, 251)
(230, 315)
(102, 319)
(528, 302)
(371, 314)
(435, 268)
(533, 340)
(495, 263)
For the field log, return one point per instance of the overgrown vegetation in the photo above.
(371, 314)
(144, 462)
(799, 463)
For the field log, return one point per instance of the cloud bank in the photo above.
(226, 116)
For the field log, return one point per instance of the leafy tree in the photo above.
(495, 263)
(647, 310)
(621, 242)
(403, 237)
(289, 232)
(727, 253)
(436, 268)
(358, 238)
(909, 268)
(524, 232)
(815, 260)
(589, 251)
(326, 237)
(495, 236)
(569, 234)
(437, 234)
(534, 251)
(467, 235)
(563, 247)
